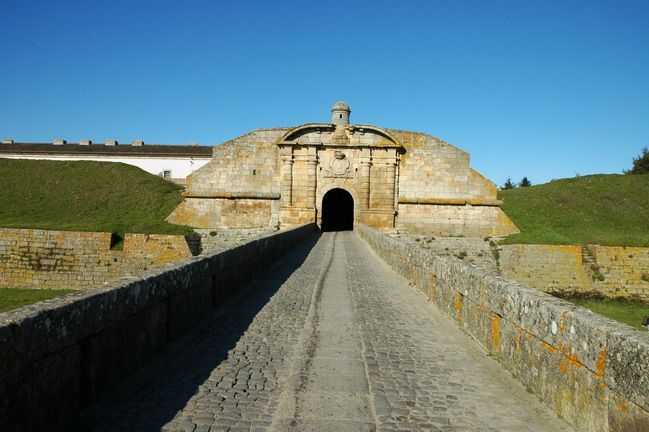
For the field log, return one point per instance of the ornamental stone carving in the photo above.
(338, 166)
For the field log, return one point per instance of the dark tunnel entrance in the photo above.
(337, 211)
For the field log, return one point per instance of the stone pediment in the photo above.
(327, 134)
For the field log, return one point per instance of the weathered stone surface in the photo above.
(218, 240)
(627, 365)
(624, 415)
(612, 271)
(59, 354)
(561, 381)
(398, 180)
(410, 373)
(330, 340)
(545, 267)
(122, 348)
(624, 270)
(575, 360)
(27, 394)
(43, 259)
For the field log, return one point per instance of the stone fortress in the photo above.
(340, 175)
(255, 326)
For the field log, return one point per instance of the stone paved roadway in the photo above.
(332, 340)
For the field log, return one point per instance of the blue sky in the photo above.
(538, 89)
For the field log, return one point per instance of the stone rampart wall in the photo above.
(230, 213)
(549, 268)
(60, 355)
(453, 220)
(592, 371)
(43, 259)
(624, 270)
(247, 164)
(613, 271)
(431, 168)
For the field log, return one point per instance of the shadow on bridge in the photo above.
(151, 398)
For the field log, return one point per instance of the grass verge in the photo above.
(606, 209)
(13, 298)
(629, 312)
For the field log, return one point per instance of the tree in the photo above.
(508, 184)
(525, 182)
(640, 164)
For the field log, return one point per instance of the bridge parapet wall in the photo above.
(594, 372)
(60, 355)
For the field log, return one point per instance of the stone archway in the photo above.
(337, 210)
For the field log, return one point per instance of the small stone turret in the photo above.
(340, 113)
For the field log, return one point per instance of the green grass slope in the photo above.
(631, 312)
(606, 209)
(13, 298)
(85, 196)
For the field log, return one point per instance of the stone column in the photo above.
(364, 177)
(397, 161)
(390, 179)
(287, 180)
(312, 175)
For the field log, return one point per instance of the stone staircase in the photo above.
(590, 264)
(587, 257)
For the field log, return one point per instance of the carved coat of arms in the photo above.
(338, 166)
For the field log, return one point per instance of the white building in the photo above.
(173, 162)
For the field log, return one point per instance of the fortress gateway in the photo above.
(339, 175)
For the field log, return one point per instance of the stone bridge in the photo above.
(328, 337)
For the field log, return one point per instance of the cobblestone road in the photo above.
(331, 340)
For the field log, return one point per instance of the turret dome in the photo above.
(340, 113)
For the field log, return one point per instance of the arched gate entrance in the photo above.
(337, 210)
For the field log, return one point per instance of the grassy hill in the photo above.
(85, 196)
(599, 209)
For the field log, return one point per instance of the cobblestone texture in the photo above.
(331, 340)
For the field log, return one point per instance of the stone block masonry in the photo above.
(42, 259)
(454, 220)
(624, 270)
(594, 372)
(58, 356)
(549, 268)
(613, 271)
(398, 180)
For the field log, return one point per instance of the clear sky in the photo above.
(543, 89)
